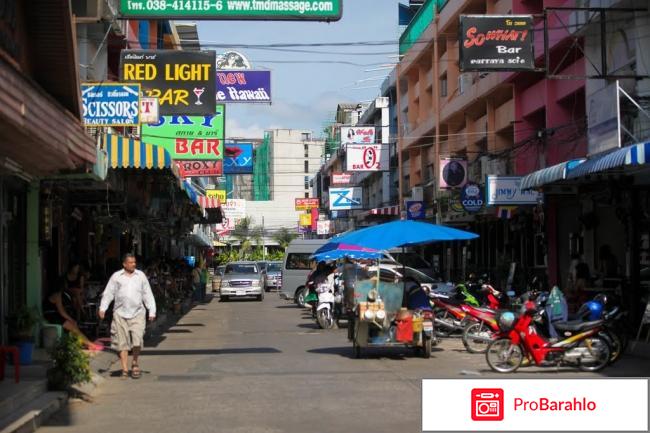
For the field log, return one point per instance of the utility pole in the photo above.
(263, 240)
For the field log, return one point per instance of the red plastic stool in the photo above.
(13, 350)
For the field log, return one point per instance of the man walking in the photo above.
(130, 289)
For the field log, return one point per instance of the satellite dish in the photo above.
(232, 60)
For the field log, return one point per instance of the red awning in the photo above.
(389, 210)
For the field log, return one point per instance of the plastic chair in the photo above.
(4, 351)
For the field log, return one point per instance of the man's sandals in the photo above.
(135, 371)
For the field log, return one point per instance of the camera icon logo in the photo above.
(487, 404)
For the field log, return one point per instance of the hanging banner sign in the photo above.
(346, 198)
(114, 104)
(183, 81)
(189, 137)
(357, 135)
(415, 210)
(200, 168)
(323, 227)
(471, 198)
(244, 86)
(341, 178)
(506, 190)
(367, 157)
(149, 110)
(453, 173)
(269, 10)
(307, 204)
(216, 193)
(496, 43)
(238, 158)
(234, 208)
(305, 220)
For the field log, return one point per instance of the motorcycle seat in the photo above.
(484, 309)
(576, 325)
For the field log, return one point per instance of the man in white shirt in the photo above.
(130, 290)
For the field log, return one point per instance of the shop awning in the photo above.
(550, 174)
(389, 210)
(637, 154)
(209, 202)
(124, 152)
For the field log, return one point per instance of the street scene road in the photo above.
(245, 366)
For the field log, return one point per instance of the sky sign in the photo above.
(183, 81)
(272, 10)
(114, 104)
(189, 137)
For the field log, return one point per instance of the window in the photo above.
(306, 166)
(306, 136)
(306, 195)
(298, 261)
(306, 151)
(306, 182)
(443, 86)
(241, 269)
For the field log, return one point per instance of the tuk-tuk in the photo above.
(378, 313)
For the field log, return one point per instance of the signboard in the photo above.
(244, 86)
(183, 81)
(367, 157)
(415, 210)
(307, 203)
(453, 173)
(189, 137)
(603, 119)
(271, 10)
(471, 198)
(233, 60)
(149, 110)
(357, 135)
(305, 220)
(238, 158)
(506, 190)
(323, 227)
(200, 168)
(216, 193)
(115, 104)
(341, 178)
(496, 43)
(234, 208)
(346, 198)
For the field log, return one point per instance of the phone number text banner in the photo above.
(306, 10)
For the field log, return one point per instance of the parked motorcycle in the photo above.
(449, 317)
(520, 338)
(479, 333)
(330, 306)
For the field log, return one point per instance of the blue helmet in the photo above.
(595, 310)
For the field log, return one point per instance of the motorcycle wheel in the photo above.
(325, 319)
(473, 330)
(504, 357)
(441, 330)
(599, 351)
(426, 348)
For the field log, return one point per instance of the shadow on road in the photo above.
(391, 353)
(188, 324)
(190, 352)
(293, 306)
(308, 326)
(178, 331)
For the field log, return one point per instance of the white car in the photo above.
(242, 279)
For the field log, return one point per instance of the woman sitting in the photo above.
(58, 308)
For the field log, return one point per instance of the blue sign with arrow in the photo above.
(346, 198)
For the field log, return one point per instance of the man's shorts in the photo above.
(127, 333)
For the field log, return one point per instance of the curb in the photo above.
(37, 412)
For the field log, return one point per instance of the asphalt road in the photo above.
(249, 367)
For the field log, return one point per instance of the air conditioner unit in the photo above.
(93, 11)
(492, 166)
(417, 193)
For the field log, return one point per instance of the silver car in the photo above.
(242, 279)
(273, 276)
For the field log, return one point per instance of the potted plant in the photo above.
(70, 364)
(21, 331)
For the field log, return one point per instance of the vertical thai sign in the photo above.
(183, 81)
(496, 43)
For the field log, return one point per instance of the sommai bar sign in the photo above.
(496, 43)
(183, 81)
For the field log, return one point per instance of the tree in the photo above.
(247, 234)
(283, 237)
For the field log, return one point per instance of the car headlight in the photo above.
(225, 283)
(255, 283)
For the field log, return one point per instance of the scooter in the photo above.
(330, 304)
(520, 338)
(478, 334)
(449, 317)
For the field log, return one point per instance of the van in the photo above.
(297, 265)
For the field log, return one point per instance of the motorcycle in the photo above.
(520, 338)
(449, 317)
(479, 333)
(329, 309)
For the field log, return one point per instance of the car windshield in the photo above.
(419, 276)
(239, 268)
(262, 265)
(274, 267)
(412, 260)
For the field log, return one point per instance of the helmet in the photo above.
(595, 310)
(601, 298)
(506, 320)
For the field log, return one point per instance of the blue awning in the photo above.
(550, 174)
(637, 154)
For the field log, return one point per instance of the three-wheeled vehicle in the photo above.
(378, 313)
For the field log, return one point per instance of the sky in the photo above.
(305, 95)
